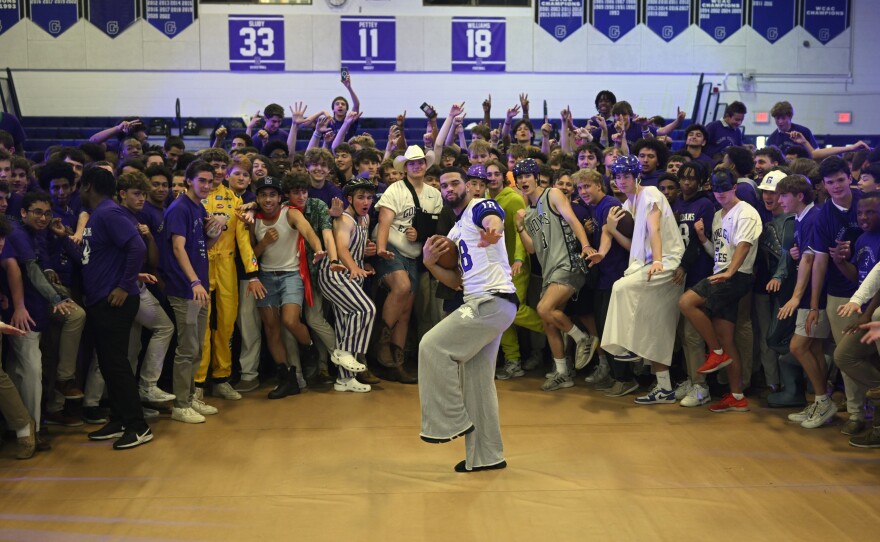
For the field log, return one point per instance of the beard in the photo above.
(455, 200)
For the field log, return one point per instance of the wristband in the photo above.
(813, 310)
(255, 279)
(519, 230)
(335, 262)
(658, 261)
(195, 283)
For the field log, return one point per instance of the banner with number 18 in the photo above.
(478, 44)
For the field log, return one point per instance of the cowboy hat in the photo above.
(413, 152)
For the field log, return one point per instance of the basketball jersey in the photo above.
(483, 269)
(553, 239)
(283, 254)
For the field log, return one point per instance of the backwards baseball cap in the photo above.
(723, 181)
(771, 179)
(478, 171)
(268, 182)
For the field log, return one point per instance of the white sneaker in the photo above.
(803, 415)
(557, 382)
(226, 391)
(603, 370)
(511, 369)
(585, 351)
(150, 413)
(155, 395)
(351, 384)
(683, 389)
(199, 394)
(203, 408)
(822, 413)
(186, 415)
(698, 395)
(347, 361)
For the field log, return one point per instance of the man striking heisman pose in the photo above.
(457, 357)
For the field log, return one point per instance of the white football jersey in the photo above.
(742, 224)
(483, 269)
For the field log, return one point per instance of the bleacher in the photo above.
(44, 132)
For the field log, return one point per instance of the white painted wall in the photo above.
(68, 75)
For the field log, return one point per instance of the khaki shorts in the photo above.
(821, 329)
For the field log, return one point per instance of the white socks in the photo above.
(561, 366)
(664, 381)
(576, 334)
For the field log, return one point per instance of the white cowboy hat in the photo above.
(413, 152)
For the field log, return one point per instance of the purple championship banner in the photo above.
(10, 14)
(478, 44)
(560, 18)
(721, 18)
(615, 18)
(256, 43)
(668, 18)
(773, 18)
(54, 16)
(369, 43)
(171, 17)
(826, 19)
(112, 17)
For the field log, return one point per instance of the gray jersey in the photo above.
(555, 243)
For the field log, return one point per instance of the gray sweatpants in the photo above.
(457, 377)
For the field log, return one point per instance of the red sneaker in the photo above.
(714, 362)
(729, 402)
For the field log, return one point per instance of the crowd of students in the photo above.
(717, 267)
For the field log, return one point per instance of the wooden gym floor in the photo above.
(332, 466)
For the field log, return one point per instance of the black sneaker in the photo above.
(462, 466)
(130, 439)
(109, 431)
(94, 415)
(441, 440)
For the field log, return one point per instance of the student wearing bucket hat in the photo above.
(401, 207)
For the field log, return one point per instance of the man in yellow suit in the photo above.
(222, 203)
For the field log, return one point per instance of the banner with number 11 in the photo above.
(369, 43)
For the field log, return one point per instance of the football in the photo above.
(449, 259)
(626, 225)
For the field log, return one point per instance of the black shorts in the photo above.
(722, 300)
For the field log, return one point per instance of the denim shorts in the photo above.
(283, 288)
(398, 263)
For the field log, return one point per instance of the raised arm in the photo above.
(355, 102)
(672, 126)
(340, 137)
(122, 128)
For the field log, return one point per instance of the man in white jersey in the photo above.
(457, 357)
(711, 305)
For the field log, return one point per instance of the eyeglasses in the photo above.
(39, 213)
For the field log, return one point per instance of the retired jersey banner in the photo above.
(826, 19)
(560, 18)
(112, 17)
(773, 18)
(171, 17)
(369, 43)
(478, 44)
(256, 43)
(54, 16)
(10, 14)
(615, 18)
(721, 18)
(668, 18)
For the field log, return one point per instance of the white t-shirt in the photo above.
(742, 224)
(483, 269)
(398, 199)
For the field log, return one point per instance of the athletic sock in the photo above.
(576, 333)
(664, 381)
(719, 351)
(561, 366)
(738, 396)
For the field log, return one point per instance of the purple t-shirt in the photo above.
(326, 193)
(279, 135)
(865, 253)
(152, 217)
(804, 230)
(616, 261)
(581, 212)
(187, 219)
(721, 137)
(336, 125)
(113, 252)
(13, 208)
(689, 212)
(746, 191)
(10, 123)
(834, 225)
(650, 179)
(64, 254)
(27, 245)
(634, 133)
(783, 141)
